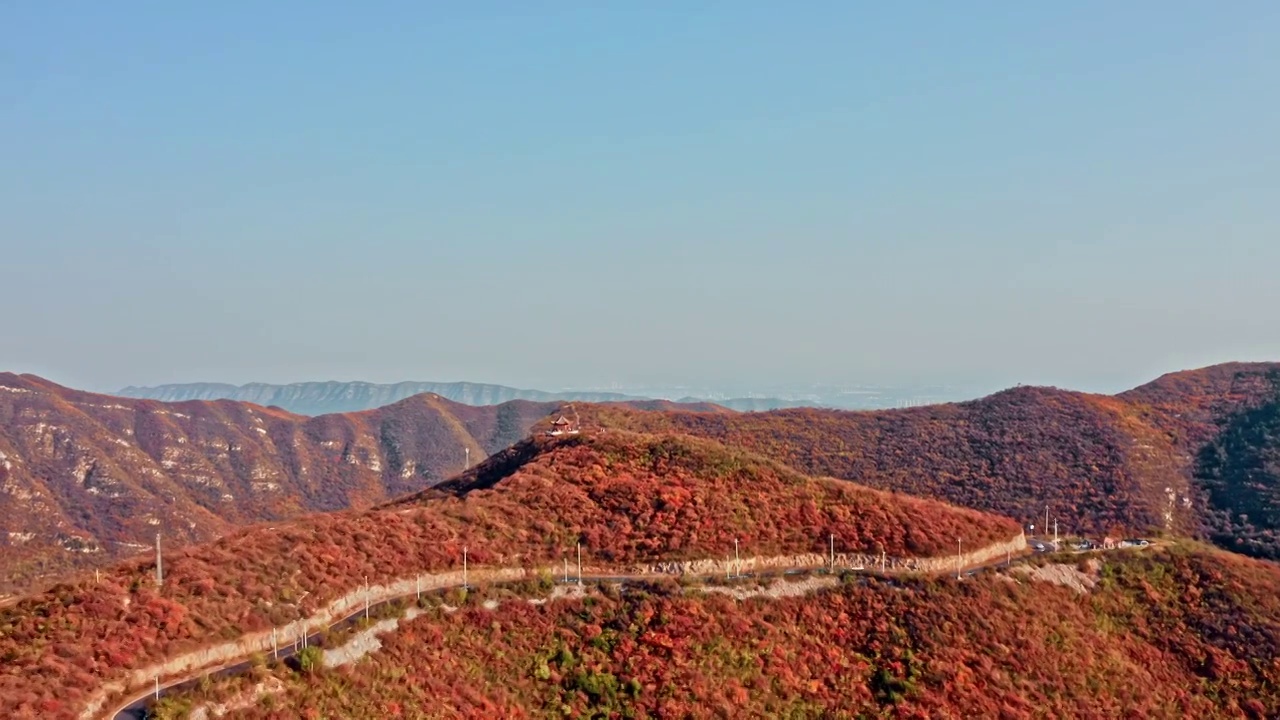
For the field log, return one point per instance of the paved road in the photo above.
(136, 708)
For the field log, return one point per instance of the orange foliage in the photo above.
(1173, 634)
(627, 498)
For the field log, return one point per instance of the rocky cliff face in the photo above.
(318, 398)
(87, 478)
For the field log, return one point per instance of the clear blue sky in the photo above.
(555, 193)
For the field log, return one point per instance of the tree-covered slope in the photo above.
(631, 500)
(1170, 633)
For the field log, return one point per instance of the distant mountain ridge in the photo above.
(324, 398)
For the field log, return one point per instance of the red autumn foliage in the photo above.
(1170, 633)
(1100, 464)
(627, 498)
(89, 479)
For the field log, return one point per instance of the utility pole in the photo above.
(468, 451)
(96, 580)
(737, 564)
(417, 585)
(275, 649)
(366, 597)
(1055, 533)
(957, 558)
(464, 567)
(566, 570)
(833, 553)
(884, 561)
(159, 564)
(157, 688)
(579, 563)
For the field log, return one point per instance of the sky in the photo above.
(573, 194)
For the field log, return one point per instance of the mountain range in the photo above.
(1192, 453)
(320, 398)
(87, 478)
(647, 491)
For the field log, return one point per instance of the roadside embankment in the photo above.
(194, 663)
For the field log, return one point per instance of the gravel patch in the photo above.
(779, 589)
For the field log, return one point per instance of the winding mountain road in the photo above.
(135, 707)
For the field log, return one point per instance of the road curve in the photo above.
(135, 708)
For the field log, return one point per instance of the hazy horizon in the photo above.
(941, 391)
(733, 194)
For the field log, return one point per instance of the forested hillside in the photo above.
(1189, 453)
(86, 478)
(1166, 634)
(630, 500)
(1012, 453)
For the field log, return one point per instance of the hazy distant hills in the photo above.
(322, 398)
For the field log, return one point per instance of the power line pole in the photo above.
(1055, 533)
(366, 597)
(1046, 518)
(157, 687)
(417, 585)
(957, 558)
(159, 564)
(833, 553)
(737, 564)
(468, 451)
(275, 649)
(579, 563)
(465, 584)
(566, 570)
